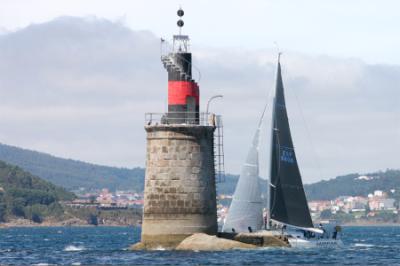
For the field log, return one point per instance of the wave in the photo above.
(74, 248)
(364, 245)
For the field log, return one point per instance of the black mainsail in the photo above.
(288, 203)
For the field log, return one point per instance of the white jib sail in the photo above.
(246, 208)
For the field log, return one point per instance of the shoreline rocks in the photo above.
(204, 242)
(197, 242)
(74, 222)
(223, 241)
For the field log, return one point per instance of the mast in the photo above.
(268, 220)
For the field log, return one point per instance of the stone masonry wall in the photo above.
(180, 195)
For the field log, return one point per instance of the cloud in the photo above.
(79, 88)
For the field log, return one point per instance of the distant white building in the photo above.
(378, 193)
(364, 177)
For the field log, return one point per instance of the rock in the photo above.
(137, 246)
(204, 242)
(263, 238)
(20, 223)
(73, 222)
(149, 246)
(224, 241)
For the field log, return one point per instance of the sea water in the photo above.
(109, 245)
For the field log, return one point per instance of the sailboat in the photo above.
(287, 205)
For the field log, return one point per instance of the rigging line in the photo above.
(265, 108)
(316, 158)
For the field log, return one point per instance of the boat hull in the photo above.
(314, 243)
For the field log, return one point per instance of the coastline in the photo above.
(66, 223)
(82, 223)
(370, 224)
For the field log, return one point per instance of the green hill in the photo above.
(348, 185)
(354, 185)
(72, 174)
(26, 196)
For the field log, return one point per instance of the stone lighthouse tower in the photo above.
(180, 193)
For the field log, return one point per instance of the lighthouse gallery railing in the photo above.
(175, 118)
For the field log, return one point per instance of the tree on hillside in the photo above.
(26, 196)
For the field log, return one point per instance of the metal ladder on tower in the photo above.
(219, 159)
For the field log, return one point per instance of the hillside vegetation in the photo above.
(23, 195)
(354, 185)
(348, 185)
(72, 174)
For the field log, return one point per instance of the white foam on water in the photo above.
(159, 248)
(74, 248)
(76, 263)
(364, 245)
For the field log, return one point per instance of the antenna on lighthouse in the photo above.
(180, 22)
(181, 42)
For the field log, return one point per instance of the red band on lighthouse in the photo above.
(178, 91)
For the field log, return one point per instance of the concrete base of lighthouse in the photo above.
(180, 193)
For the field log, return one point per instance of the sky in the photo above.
(76, 77)
(366, 29)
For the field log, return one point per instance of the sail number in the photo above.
(287, 155)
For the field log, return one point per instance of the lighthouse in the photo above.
(183, 91)
(180, 189)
